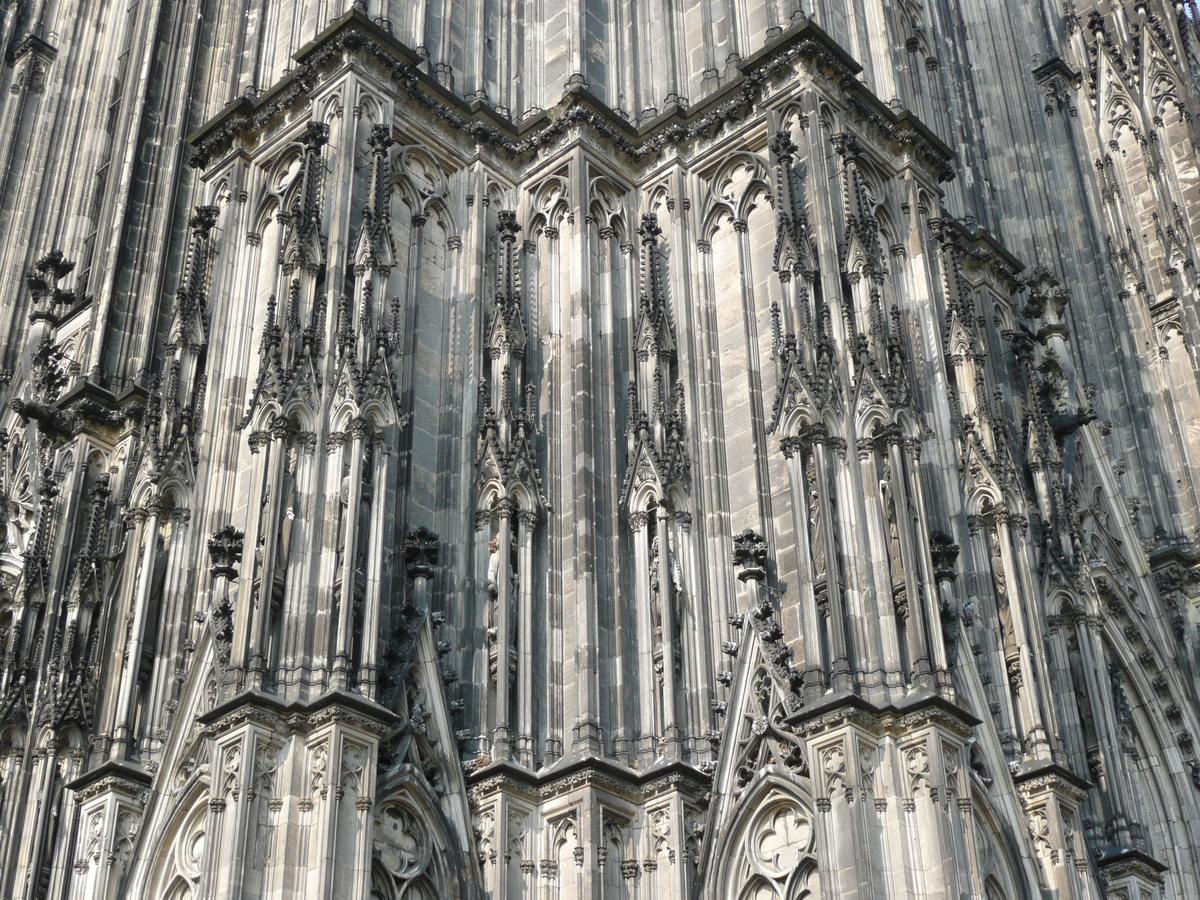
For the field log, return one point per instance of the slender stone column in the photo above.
(502, 738)
(666, 589)
(122, 738)
(343, 648)
(1111, 770)
(841, 676)
(259, 611)
(368, 665)
(816, 667)
(525, 522)
(1037, 743)
(915, 633)
(647, 735)
(41, 786)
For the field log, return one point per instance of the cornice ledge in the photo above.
(1040, 775)
(846, 708)
(117, 775)
(1117, 862)
(1057, 67)
(1178, 551)
(32, 43)
(265, 709)
(578, 106)
(978, 245)
(592, 771)
(354, 30)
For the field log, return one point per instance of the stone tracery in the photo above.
(956, 621)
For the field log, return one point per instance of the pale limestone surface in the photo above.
(538, 449)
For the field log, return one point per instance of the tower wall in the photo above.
(592, 450)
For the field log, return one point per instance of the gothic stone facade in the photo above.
(570, 449)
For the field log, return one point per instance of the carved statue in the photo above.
(493, 570)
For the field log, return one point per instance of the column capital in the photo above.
(421, 549)
(750, 553)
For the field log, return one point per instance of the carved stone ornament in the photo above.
(225, 552)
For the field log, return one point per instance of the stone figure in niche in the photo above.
(261, 542)
(493, 570)
(1087, 722)
(363, 544)
(283, 546)
(816, 539)
(675, 598)
(1000, 582)
(159, 576)
(656, 607)
(893, 527)
(343, 526)
(676, 573)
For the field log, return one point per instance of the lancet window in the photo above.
(511, 501)
(309, 496)
(811, 459)
(1096, 712)
(804, 352)
(358, 532)
(656, 498)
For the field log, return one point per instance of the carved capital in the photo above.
(945, 553)
(650, 229)
(421, 549)
(791, 445)
(782, 146)
(750, 553)
(507, 225)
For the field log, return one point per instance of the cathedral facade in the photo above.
(599, 450)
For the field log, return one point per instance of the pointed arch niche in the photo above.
(771, 851)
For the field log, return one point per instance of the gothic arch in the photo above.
(648, 493)
(607, 204)
(829, 117)
(997, 845)
(176, 861)
(441, 215)
(985, 498)
(548, 203)
(379, 414)
(370, 110)
(415, 853)
(403, 190)
(264, 211)
(871, 418)
(677, 499)
(331, 108)
(756, 194)
(719, 213)
(793, 118)
(496, 195)
(800, 417)
(263, 416)
(736, 183)
(419, 172)
(343, 415)
(657, 198)
(768, 853)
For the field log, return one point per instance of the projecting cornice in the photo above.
(978, 245)
(245, 118)
(591, 771)
(840, 709)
